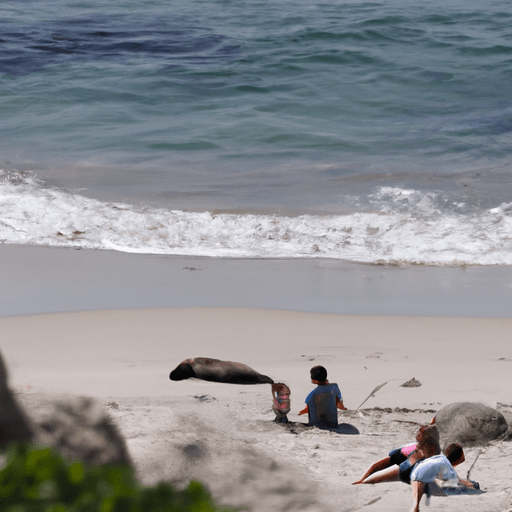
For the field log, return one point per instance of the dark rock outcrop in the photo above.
(14, 425)
(77, 427)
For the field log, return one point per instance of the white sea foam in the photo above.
(405, 226)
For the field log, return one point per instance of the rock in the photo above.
(14, 425)
(413, 383)
(470, 424)
(77, 427)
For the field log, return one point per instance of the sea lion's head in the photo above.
(182, 371)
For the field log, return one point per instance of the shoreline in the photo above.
(38, 280)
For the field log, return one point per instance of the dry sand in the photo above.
(224, 434)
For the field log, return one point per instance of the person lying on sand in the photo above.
(436, 475)
(454, 453)
(322, 402)
(394, 458)
(426, 464)
(402, 460)
(428, 446)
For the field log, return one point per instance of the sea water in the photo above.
(375, 131)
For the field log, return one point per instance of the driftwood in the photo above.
(372, 394)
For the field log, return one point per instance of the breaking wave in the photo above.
(402, 226)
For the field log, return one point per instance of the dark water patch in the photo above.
(62, 38)
(104, 34)
(362, 34)
(486, 51)
(438, 19)
(293, 21)
(497, 125)
(312, 36)
(184, 146)
(436, 76)
(392, 20)
(88, 39)
(379, 36)
(344, 58)
(440, 45)
(457, 39)
(317, 142)
(251, 89)
(55, 49)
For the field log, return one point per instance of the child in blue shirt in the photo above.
(322, 403)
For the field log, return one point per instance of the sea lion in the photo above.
(470, 423)
(214, 370)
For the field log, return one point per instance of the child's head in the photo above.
(318, 374)
(428, 437)
(455, 454)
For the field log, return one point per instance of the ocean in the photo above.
(376, 132)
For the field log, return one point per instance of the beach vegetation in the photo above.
(35, 479)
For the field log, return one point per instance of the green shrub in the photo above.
(39, 480)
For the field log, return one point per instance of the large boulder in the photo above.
(77, 427)
(470, 424)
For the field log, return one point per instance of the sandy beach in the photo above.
(72, 323)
